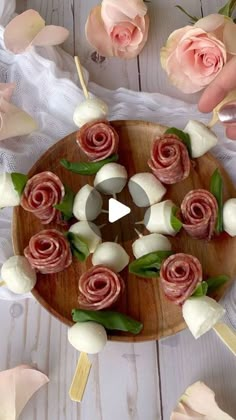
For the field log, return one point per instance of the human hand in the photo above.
(216, 92)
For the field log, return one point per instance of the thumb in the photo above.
(219, 88)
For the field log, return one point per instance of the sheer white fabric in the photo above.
(47, 88)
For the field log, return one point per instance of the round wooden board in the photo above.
(143, 298)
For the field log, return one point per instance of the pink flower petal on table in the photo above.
(14, 121)
(96, 33)
(17, 386)
(51, 35)
(210, 23)
(229, 37)
(20, 32)
(6, 90)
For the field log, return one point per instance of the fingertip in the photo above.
(231, 132)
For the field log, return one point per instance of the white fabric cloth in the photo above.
(47, 88)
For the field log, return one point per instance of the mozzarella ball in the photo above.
(88, 232)
(9, 197)
(90, 110)
(145, 189)
(87, 203)
(89, 337)
(18, 274)
(201, 137)
(201, 314)
(150, 243)
(111, 255)
(111, 178)
(229, 216)
(157, 218)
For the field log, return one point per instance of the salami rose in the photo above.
(199, 213)
(41, 193)
(48, 252)
(98, 140)
(99, 288)
(169, 161)
(180, 275)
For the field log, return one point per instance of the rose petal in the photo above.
(210, 23)
(118, 11)
(17, 386)
(229, 37)
(96, 33)
(130, 51)
(14, 121)
(171, 44)
(6, 90)
(51, 35)
(20, 32)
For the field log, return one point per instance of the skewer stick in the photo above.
(80, 378)
(138, 233)
(227, 335)
(81, 76)
(2, 283)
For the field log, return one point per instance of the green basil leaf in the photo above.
(193, 18)
(216, 188)
(182, 136)
(19, 181)
(78, 247)
(109, 319)
(66, 206)
(201, 290)
(175, 222)
(149, 265)
(215, 282)
(228, 8)
(87, 168)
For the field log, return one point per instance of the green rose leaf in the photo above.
(66, 206)
(109, 319)
(78, 247)
(175, 222)
(19, 181)
(182, 136)
(228, 8)
(215, 282)
(216, 188)
(149, 265)
(87, 168)
(201, 290)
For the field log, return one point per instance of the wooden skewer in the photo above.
(80, 378)
(81, 77)
(2, 283)
(227, 335)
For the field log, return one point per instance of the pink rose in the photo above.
(192, 58)
(118, 28)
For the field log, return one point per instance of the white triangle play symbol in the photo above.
(117, 210)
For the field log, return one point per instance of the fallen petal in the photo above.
(229, 37)
(20, 32)
(210, 23)
(14, 121)
(51, 35)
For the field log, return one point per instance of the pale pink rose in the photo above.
(118, 28)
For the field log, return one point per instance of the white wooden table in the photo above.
(127, 382)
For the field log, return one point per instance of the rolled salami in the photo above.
(48, 251)
(98, 140)
(180, 275)
(199, 213)
(41, 193)
(99, 288)
(169, 161)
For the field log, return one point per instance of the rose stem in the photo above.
(81, 77)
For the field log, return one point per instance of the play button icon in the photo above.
(116, 210)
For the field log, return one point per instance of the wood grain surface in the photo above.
(58, 292)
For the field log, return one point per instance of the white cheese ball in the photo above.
(88, 337)
(88, 232)
(90, 110)
(201, 314)
(111, 255)
(201, 137)
(157, 218)
(9, 197)
(150, 243)
(145, 189)
(18, 274)
(229, 216)
(111, 178)
(87, 203)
